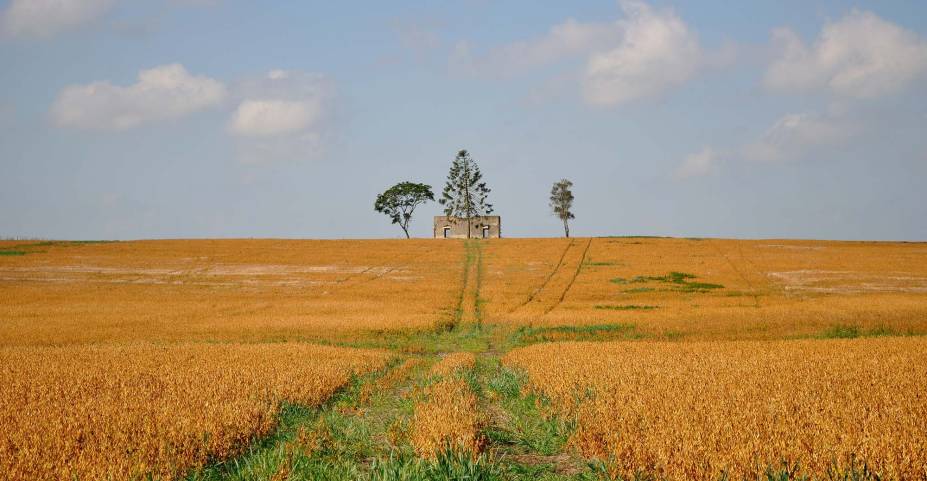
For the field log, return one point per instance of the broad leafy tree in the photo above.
(561, 201)
(400, 201)
(465, 193)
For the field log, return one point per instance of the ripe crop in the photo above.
(454, 362)
(707, 289)
(228, 290)
(114, 412)
(158, 356)
(449, 418)
(261, 290)
(698, 410)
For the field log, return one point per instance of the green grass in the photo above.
(736, 294)
(346, 439)
(628, 307)
(638, 290)
(525, 428)
(368, 439)
(671, 335)
(699, 286)
(600, 263)
(600, 332)
(449, 465)
(842, 332)
(850, 331)
(468, 337)
(528, 440)
(33, 248)
(680, 281)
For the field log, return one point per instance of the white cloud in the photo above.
(280, 115)
(698, 164)
(564, 40)
(641, 55)
(796, 136)
(861, 55)
(163, 92)
(43, 18)
(657, 52)
(273, 117)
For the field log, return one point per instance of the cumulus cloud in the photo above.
(657, 51)
(161, 93)
(43, 18)
(280, 115)
(860, 55)
(563, 40)
(273, 117)
(698, 164)
(796, 136)
(640, 55)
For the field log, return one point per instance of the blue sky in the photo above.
(130, 119)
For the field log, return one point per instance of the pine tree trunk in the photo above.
(566, 228)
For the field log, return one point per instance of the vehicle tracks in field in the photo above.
(555, 287)
(366, 430)
(546, 279)
(579, 267)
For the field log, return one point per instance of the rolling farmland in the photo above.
(565, 358)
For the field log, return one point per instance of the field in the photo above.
(599, 358)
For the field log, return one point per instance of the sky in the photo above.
(127, 119)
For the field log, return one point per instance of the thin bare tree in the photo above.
(561, 201)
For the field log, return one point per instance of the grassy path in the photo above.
(369, 430)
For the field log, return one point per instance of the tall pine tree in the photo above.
(465, 193)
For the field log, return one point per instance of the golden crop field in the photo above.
(449, 417)
(454, 362)
(697, 410)
(233, 290)
(113, 412)
(729, 289)
(711, 355)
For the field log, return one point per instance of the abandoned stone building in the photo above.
(485, 227)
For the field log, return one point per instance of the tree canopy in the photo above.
(399, 202)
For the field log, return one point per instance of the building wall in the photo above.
(457, 227)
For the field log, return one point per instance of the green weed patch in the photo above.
(629, 307)
(599, 332)
(678, 281)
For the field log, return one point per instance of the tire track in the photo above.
(468, 300)
(756, 299)
(546, 280)
(579, 267)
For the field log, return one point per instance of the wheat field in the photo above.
(117, 412)
(768, 289)
(702, 358)
(229, 290)
(700, 409)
